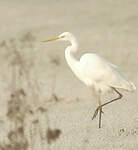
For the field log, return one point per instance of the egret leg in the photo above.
(100, 111)
(99, 108)
(119, 97)
(96, 112)
(100, 116)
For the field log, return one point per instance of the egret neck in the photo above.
(70, 56)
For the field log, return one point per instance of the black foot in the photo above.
(99, 108)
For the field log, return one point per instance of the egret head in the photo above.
(65, 36)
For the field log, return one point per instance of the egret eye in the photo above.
(62, 36)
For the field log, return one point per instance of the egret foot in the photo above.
(99, 108)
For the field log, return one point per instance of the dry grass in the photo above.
(24, 114)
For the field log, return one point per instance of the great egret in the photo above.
(95, 72)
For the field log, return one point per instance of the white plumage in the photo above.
(103, 74)
(94, 71)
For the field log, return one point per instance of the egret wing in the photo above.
(99, 70)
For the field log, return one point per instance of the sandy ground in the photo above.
(43, 105)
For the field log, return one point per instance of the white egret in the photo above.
(95, 72)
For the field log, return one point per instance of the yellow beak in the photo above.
(53, 39)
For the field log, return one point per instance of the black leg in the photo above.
(100, 117)
(99, 108)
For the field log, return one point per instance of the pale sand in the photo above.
(108, 28)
